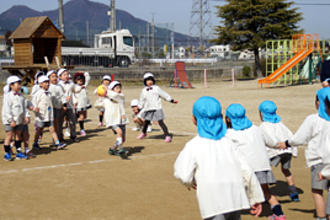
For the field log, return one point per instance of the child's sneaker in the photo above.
(60, 146)
(294, 197)
(21, 156)
(141, 136)
(82, 133)
(113, 151)
(36, 146)
(168, 139)
(149, 129)
(275, 217)
(100, 124)
(7, 157)
(135, 129)
(67, 133)
(30, 155)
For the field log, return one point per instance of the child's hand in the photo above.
(256, 209)
(321, 177)
(27, 120)
(13, 124)
(281, 145)
(31, 108)
(36, 109)
(123, 117)
(68, 98)
(175, 101)
(65, 108)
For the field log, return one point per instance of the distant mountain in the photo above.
(76, 15)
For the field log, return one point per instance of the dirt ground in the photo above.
(85, 182)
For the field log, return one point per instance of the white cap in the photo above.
(106, 77)
(43, 79)
(38, 74)
(113, 84)
(134, 102)
(60, 71)
(50, 72)
(13, 79)
(5, 89)
(147, 75)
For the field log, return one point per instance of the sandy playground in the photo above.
(85, 182)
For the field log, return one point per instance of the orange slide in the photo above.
(286, 67)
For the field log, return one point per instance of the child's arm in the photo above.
(304, 133)
(35, 102)
(117, 97)
(165, 96)
(87, 78)
(142, 100)
(267, 137)
(185, 165)
(7, 113)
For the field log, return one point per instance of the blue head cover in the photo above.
(25, 90)
(207, 111)
(322, 94)
(236, 114)
(268, 110)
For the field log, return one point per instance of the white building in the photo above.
(219, 51)
(180, 52)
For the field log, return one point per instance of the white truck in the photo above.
(110, 49)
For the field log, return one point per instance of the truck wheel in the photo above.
(124, 62)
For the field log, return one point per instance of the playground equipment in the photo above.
(286, 61)
(180, 78)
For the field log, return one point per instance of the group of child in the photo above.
(229, 163)
(57, 100)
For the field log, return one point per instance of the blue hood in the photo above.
(268, 110)
(236, 114)
(322, 94)
(207, 111)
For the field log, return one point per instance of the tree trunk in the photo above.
(257, 70)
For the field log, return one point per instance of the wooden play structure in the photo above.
(37, 46)
(289, 58)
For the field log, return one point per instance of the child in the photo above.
(209, 163)
(57, 93)
(151, 103)
(67, 100)
(136, 115)
(115, 117)
(310, 132)
(274, 131)
(36, 86)
(250, 144)
(14, 117)
(82, 100)
(44, 116)
(106, 80)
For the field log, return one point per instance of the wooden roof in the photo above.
(30, 26)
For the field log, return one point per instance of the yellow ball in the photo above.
(101, 91)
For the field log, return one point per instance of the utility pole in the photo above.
(61, 15)
(148, 37)
(87, 33)
(172, 41)
(112, 14)
(153, 36)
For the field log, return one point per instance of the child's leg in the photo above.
(54, 135)
(9, 136)
(37, 134)
(164, 127)
(319, 203)
(272, 200)
(101, 117)
(81, 119)
(72, 123)
(18, 140)
(60, 125)
(145, 126)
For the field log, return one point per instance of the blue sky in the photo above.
(316, 18)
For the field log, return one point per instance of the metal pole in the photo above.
(61, 15)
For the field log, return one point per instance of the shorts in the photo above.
(316, 184)
(284, 159)
(16, 128)
(122, 127)
(327, 210)
(41, 124)
(266, 177)
(57, 113)
(81, 109)
(153, 115)
(25, 128)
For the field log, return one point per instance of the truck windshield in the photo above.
(128, 41)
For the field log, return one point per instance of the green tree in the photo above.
(247, 24)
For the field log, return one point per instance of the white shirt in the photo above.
(14, 108)
(250, 144)
(325, 149)
(274, 133)
(43, 100)
(81, 97)
(221, 175)
(310, 132)
(114, 109)
(68, 88)
(57, 93)
(35, 89)
(150, 98)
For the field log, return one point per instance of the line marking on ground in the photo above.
(140, 157)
